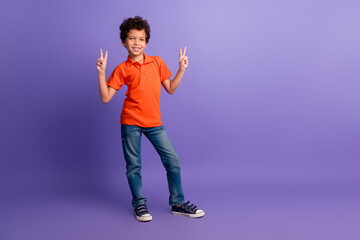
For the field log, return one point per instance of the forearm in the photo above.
(176, 81)
(103, 88)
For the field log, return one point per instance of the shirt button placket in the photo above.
(139, 67)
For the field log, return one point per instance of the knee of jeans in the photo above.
(174, 161)
(132, 169)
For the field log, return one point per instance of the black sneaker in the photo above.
(142, 214)
(187, 210)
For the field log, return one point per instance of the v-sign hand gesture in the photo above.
(101, 62)
(183, 60)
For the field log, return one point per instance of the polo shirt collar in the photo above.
(147, 59)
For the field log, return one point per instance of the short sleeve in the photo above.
(163, 69)
(115, 79)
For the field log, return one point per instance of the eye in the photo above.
(142, 39)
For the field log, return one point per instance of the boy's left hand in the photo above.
(183, 60)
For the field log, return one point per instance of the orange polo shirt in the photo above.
(142, 103)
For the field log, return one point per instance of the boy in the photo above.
(141, 113)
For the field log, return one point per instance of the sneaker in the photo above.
(142, 214)
(186, 209)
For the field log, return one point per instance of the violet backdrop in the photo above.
(265, 120)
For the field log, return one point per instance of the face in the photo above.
(135, 42)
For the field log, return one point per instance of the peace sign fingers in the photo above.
(102, 56)
(183, 59)
(101, 62)
(184, 51)
(182, 54)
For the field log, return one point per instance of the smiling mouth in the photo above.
(136, 49)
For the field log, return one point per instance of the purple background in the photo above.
(265, 120)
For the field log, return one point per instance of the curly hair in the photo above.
(137, 23)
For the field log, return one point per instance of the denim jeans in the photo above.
(131, 143)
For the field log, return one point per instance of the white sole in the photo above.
(143, 219)
(197, 215)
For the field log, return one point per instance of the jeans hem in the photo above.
(138, 204)
(175, 204)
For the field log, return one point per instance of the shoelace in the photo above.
(191, 208)
(141, 210)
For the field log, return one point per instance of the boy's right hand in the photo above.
(101, 62)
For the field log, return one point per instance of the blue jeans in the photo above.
(131, 143)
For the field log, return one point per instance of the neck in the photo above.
(140, 58)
